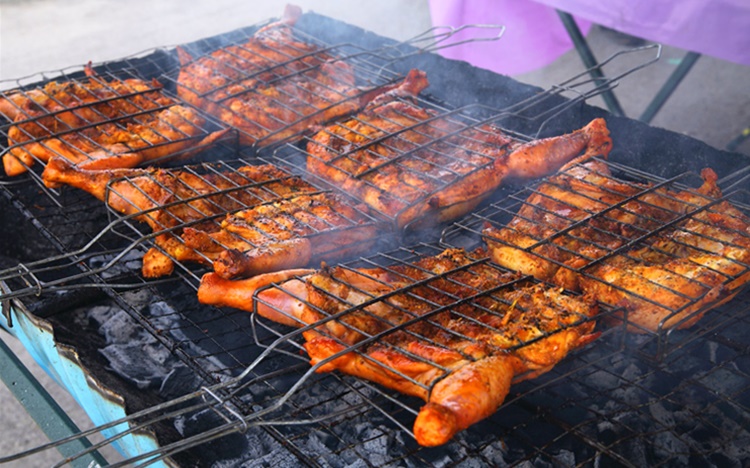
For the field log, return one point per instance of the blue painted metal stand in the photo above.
(45, 411)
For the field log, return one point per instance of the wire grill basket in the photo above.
(673, 248)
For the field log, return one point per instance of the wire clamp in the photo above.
(223, 404)
(23, 271)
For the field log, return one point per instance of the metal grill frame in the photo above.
(138, 236)
(561, 377)
(667, 339)
(105, 76)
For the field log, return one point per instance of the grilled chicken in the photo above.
(415, 166)
(272, 52)
(99, 124)
(288, 233)
(170, 201)
(273, 86)
(568, 230)
(450, 329)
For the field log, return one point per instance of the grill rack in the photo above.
(121, 107)
(371, 67)
(581, 429)
(429, 142)
(342, 439)
(667, 338)
(238, 416)
(620, 410)
(123, 233)
(289, 157)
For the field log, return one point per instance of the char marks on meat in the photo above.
(567, 230)
(169, 200)
(450, 329)
(273, 86)
(288, 233)
(416, 166)
(99, 124)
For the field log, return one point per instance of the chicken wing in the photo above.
(415, 166)
(99, 124)
(450, 329)
(586, 230)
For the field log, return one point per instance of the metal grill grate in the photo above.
(600, 406)
(106, 120)
(415, 161)
(145, 110)
(662, 246)
(279, 411)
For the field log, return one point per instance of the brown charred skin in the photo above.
(293, 253)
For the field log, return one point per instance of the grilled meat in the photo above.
(273, 86)
(171, 200)
(450, 329)
(99, 124)
(416, 166)
(288, 233)
(568, 229)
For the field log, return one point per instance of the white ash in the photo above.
(136, 355)
(495, 455)
(164, 317)
(126, 265)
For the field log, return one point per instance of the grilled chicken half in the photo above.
(250, 220)
(451, 329)
(416, 166)
(588, 231)
(99, 124)
(287, 233)
(273, 86)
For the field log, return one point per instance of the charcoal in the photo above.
(179, 381)
(494, 455)
(120, 328)
(127, 265)
(229, 446)
(125, 361)
(690, 409)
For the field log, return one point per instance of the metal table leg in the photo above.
(609, 98)
(589, 60)
(43, 408)
(670, 85)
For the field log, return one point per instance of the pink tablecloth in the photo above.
(535, 37)
(719, 28)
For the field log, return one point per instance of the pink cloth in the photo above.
(719, 28)
(534, 36)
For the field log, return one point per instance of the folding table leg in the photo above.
(609, 98)
(589, 60)
(670, 85)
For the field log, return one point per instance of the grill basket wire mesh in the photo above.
(601, 405)
(354, 388)
(230, 191)
(371, 66)
(83, 116)
(138, 90)
(471, 118)
(433, 144)
(645, 244)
